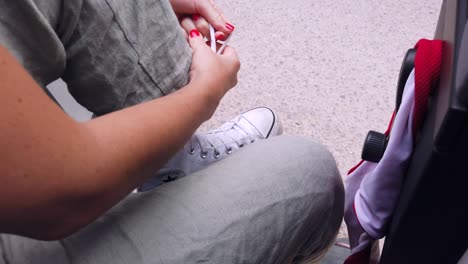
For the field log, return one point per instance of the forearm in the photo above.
(127, 147)
(59, 175)
(134, 143)
(62, 175)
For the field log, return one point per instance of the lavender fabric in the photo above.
(373, 188)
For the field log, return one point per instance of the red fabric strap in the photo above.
(361, 257)
(427, 70)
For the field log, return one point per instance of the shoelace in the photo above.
(232, 130)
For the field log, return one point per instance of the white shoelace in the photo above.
(231, 132)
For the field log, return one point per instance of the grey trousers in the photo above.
(277, 201)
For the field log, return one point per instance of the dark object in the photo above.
(431, 218)
(374, 146)
(406, 67)
(376, 143)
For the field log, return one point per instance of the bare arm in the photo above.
(59, 175)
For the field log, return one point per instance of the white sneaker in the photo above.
(204, 149)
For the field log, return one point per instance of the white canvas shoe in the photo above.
(204, 149)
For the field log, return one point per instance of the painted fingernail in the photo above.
(219, 37)
(230, 27)
(195, 17)
(194, 33)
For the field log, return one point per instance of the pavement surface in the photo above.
(328, 68)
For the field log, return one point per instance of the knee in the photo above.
(311, 163)
(323, 176)
(320, 173)
(322, 187)
(295, 167)
(308, 169)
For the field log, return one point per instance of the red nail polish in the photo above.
(230, 27)
(195, 17)
(219, 37)
(194, 33)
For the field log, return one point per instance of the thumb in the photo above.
(196, 39)
(230, 54)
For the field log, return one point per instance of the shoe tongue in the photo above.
(248, 127)
(229, 133)
(213, 140)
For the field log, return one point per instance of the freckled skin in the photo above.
(69, 173)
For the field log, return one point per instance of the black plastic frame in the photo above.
(430, 224)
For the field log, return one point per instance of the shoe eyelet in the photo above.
(191, 151)
(204, 154)
(229, 150)
(252, 141)
(217, 154)
(241, 145)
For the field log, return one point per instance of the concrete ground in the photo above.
(329, 68)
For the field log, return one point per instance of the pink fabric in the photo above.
(372, 189)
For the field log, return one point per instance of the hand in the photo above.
(202, 13)
(212, 74)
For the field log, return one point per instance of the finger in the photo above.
(220, 35)
(214, 16)
(230, 52)
(231, 56)
(185, 33)
(218, 45)
(187, 24)
(196, 40)
(202, 25)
